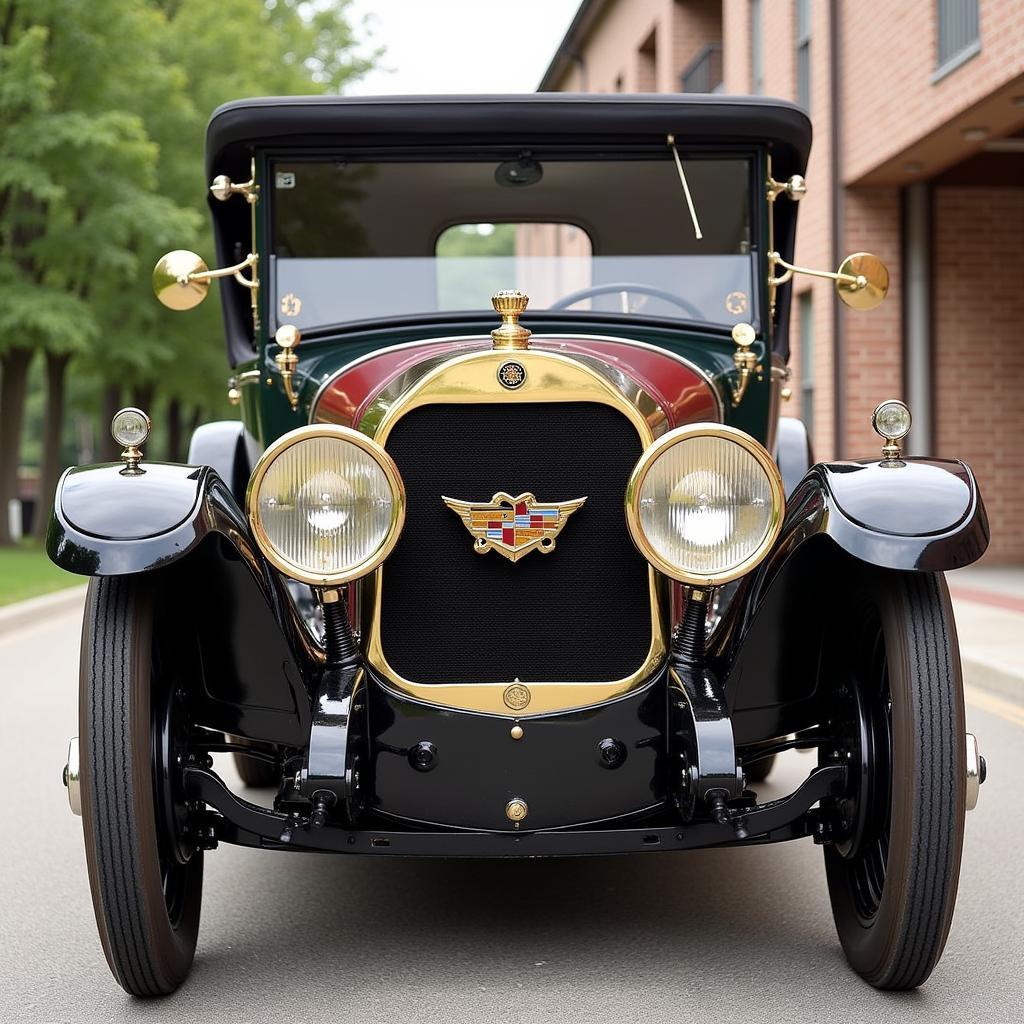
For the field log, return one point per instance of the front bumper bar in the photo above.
(237, 821)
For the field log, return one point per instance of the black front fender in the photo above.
(256, 662)
(914, 513)
(107, 523)
(923, 515)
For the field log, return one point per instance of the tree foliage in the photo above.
(103, 109)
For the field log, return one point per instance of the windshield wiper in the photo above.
(671, 140)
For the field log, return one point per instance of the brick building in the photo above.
(918, 111)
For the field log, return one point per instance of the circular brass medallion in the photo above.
(736, 303)
(516, 809)
(511, 375)
(516, 696)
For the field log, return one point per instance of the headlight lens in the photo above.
(704, 504)
(326, 505)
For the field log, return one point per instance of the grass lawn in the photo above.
(25, 571)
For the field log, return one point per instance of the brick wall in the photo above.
(979, 358)
(644, 45)
(873, 367)
(889, 56)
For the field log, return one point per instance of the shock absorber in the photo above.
(341, 646)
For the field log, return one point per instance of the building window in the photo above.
(803, 53)
(647, 64)
(756, 48)
(958, 34)
(704, 72)
(807, 361)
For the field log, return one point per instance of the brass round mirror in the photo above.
(872, 281)
(173, 283)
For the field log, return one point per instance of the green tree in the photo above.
(103, 107)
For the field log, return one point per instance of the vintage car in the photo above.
(564, 584)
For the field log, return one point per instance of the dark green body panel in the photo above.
(267, 414)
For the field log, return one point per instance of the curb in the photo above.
(993, 678)
(25, 613)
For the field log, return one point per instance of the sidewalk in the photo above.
(989, 608)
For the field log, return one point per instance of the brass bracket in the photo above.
(783, 375)
(223, 188)
(131, 457)
(234, 271)
(855, 281)
(236, 383)
(794, 187)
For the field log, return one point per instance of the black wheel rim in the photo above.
(170, 744)
(863, 728)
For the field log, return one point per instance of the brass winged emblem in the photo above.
(513, 526)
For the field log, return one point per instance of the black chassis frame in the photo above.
(262, 673)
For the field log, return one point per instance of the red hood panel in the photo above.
(684, 393)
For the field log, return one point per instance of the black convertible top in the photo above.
(237, 127)
(395, 123)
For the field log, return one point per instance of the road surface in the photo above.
(728, 935)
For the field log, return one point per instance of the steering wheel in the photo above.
(624, 286)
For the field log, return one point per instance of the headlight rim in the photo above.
(398, 504)
(648, 459)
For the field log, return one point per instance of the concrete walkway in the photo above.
(989, 607)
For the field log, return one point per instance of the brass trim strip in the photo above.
(473, 379)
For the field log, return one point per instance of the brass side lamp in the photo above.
(288, 337)
(745, 360)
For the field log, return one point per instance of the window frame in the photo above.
(756, 41)
(802, 62)
(967, 11)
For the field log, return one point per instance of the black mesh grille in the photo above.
(580, 613)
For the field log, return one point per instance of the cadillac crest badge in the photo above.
(513, 526)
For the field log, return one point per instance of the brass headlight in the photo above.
(326, 505)
(704, 504)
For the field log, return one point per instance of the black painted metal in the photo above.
(259, 663)
(336, 760)
(556, 767)
(580, 613)
(919, 514)
(221, 445)
(702, 751)
(243, 823)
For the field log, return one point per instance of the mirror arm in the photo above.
(234, 271)
(775, 260)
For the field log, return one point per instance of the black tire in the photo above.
(758, 770)
(134, 856)
(256, 773)
(893, 876)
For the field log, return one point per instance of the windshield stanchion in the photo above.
(671, 140)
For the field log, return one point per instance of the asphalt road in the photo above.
(741, 935)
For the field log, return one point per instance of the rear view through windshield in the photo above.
(355, 241)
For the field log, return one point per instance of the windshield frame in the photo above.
(755, 155)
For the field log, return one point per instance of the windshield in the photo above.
(355, 241)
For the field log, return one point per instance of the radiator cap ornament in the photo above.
(510, 305)
(514, 526)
